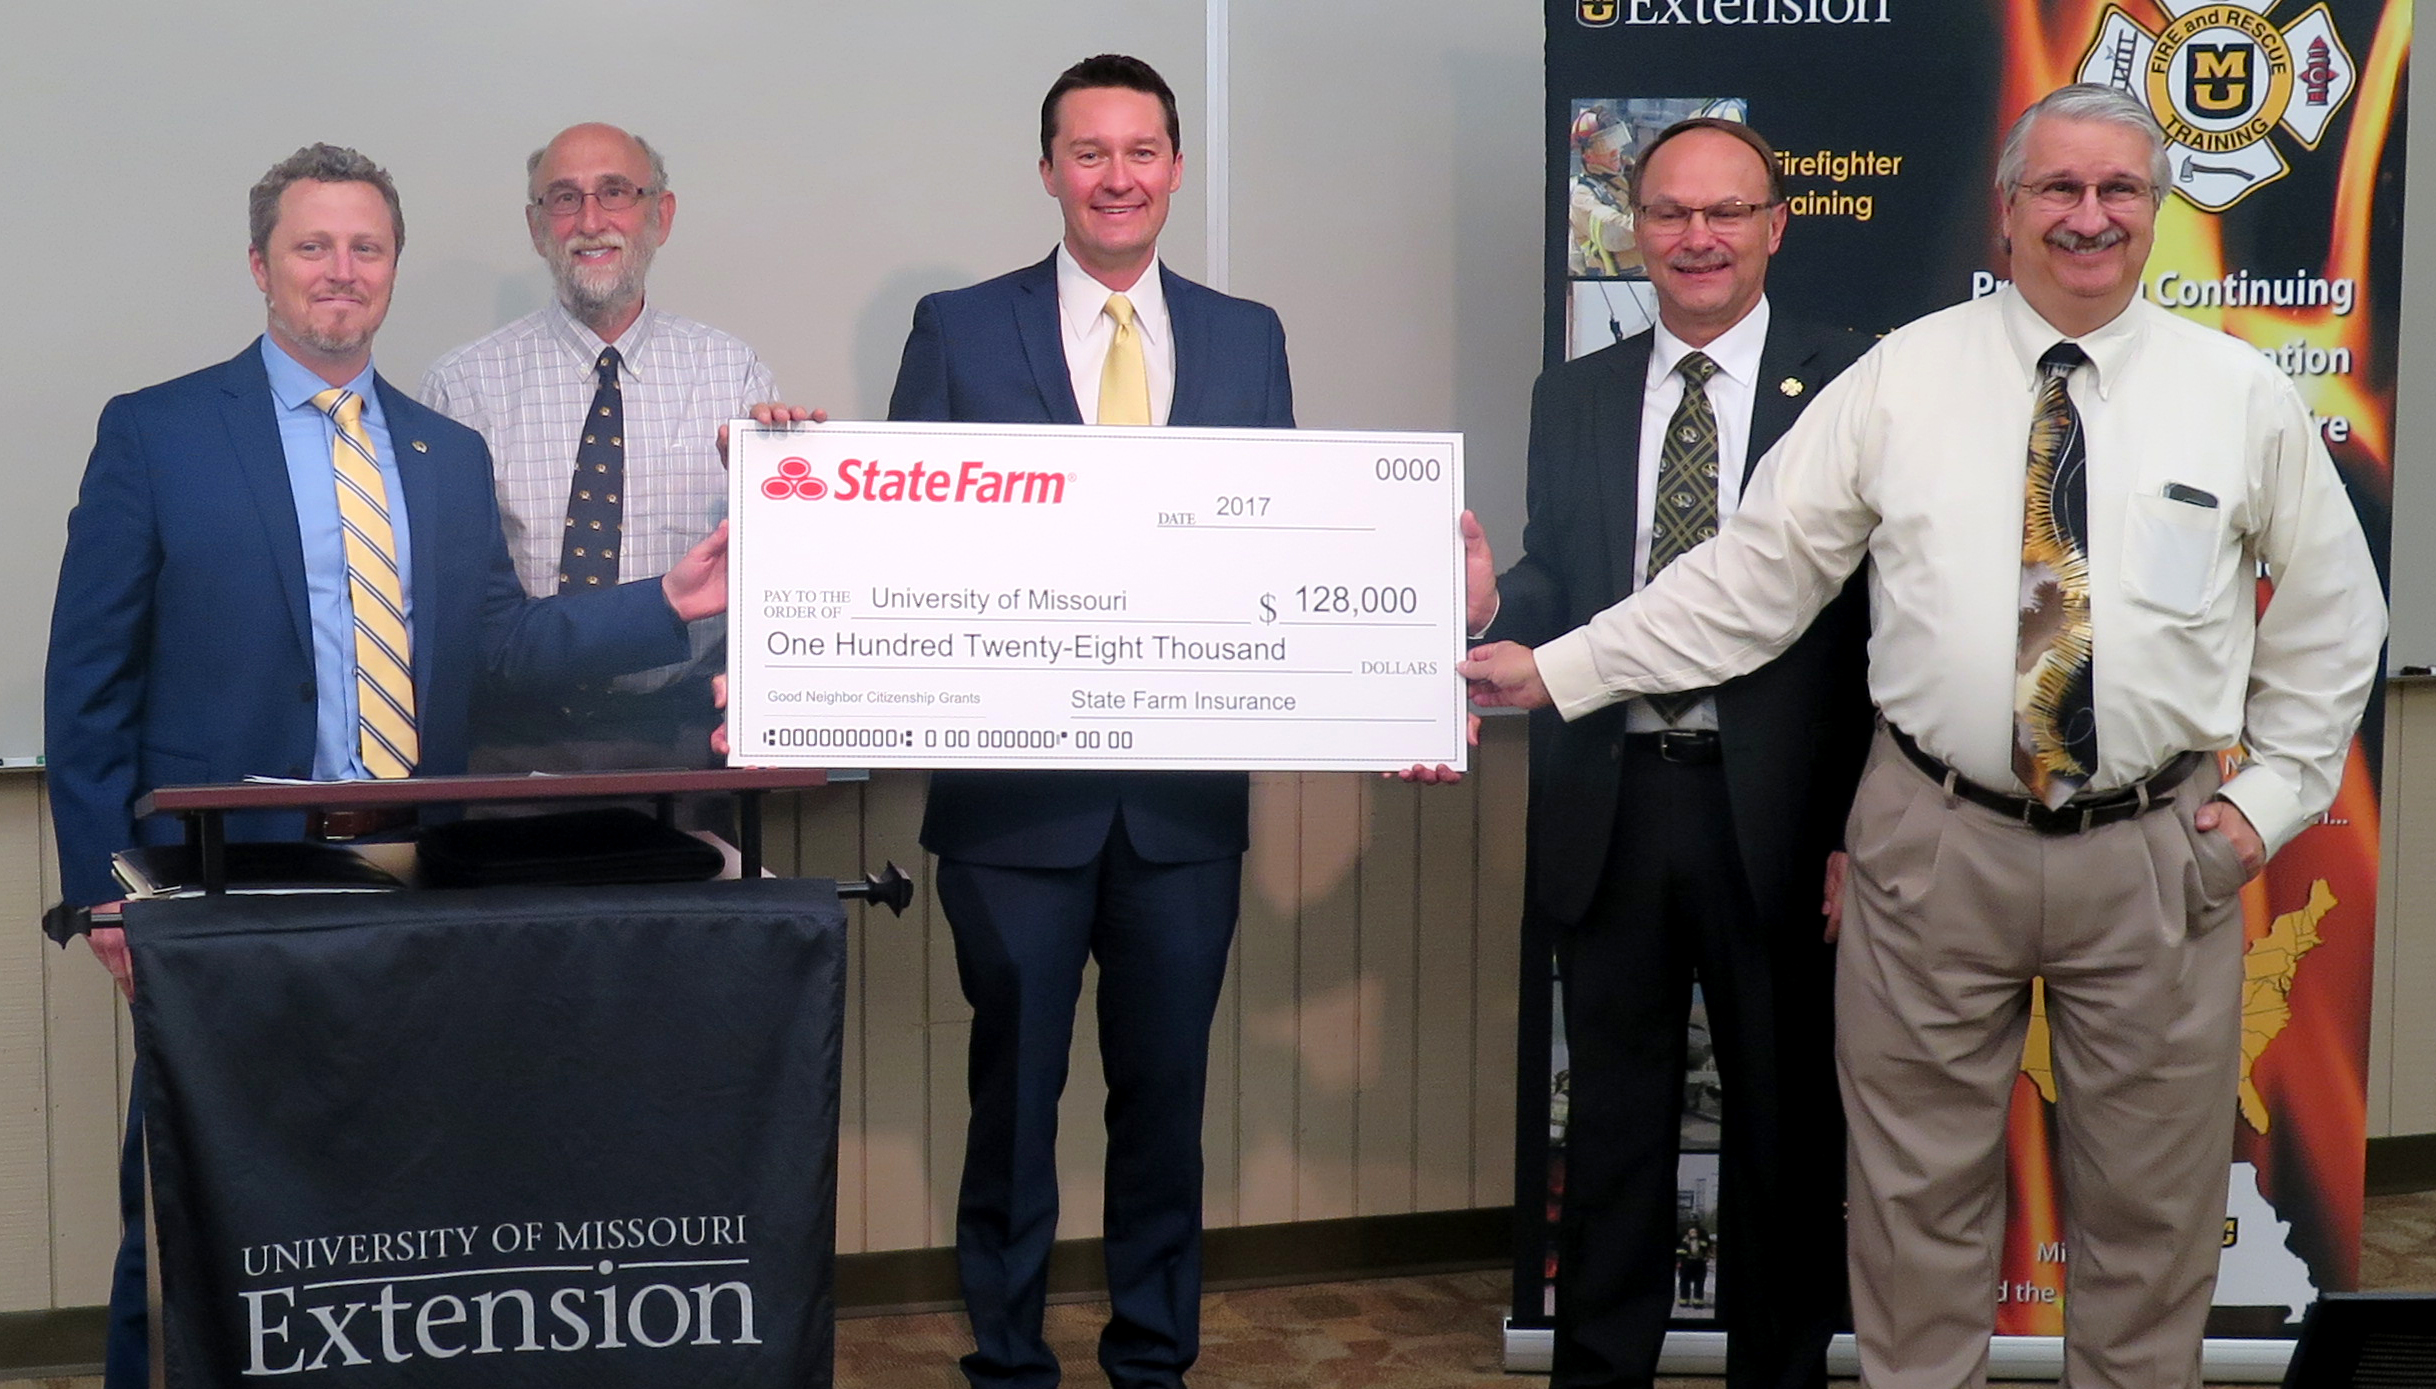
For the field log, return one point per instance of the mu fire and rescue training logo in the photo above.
(2220, 77)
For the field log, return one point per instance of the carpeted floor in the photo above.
(1440, 1332)
(1410, 1333)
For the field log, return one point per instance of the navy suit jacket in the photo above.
(1793, 733)
(181, 646)
(993, 353)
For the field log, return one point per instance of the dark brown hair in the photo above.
(1110, 70)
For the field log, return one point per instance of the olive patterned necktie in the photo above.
(2055, 717)
(1686, 511)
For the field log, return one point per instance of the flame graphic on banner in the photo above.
(2310, 1073)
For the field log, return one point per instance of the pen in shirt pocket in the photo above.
(2177, 492)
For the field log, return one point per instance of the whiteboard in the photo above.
(831, 162)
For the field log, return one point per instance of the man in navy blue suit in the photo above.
(213, 588)
(1039, 871)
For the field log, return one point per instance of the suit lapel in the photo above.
(1191, 329)
(1788, 375)
(1619, 444)
(1044, 343)
(252, 420)
(419, 479)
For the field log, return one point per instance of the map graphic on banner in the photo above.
(2282, 228)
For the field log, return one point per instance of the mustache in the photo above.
(606, 241)
(2065, 239)
(1691, 262)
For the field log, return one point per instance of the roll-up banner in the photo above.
(2283, 227)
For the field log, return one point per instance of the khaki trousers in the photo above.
(1950, 911)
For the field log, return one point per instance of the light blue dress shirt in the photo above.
(307, 435)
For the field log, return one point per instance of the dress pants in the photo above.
(1673, 903)
(1160, 932)
(1950, 911)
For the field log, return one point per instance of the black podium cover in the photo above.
(507, 1137)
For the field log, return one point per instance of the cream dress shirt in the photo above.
(1086, 329)
(1914, 459)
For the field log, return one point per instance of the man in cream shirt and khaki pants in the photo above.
(2064, 492)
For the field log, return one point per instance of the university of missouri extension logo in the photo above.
(1597, 14)
(2220, 77)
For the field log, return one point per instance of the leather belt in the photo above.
(1696, 747)
(355, 824)
(2073, 816)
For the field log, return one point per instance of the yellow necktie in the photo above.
(384, 666)
(1124, 384)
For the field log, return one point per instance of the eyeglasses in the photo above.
(2115, 194)
(1727, 217)
(614, 197)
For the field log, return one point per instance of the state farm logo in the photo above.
(871, 480)
(794, 480)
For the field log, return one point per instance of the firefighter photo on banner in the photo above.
(2281, 226)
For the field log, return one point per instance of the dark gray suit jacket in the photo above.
(1794, 732)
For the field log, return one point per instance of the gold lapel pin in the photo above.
(421, 447)
(1791, 385)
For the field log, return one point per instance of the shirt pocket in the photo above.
(2170, 554)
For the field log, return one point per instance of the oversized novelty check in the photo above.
(922, 595)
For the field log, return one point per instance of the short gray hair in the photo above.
(659, 166)
(317, 163)
(2084, 101)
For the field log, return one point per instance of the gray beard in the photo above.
(589, 298)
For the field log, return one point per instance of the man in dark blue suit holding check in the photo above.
(1040, 871)
(283, 566)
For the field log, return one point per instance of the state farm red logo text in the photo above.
(869, 480)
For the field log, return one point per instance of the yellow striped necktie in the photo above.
(384, 664)
(1124, 384)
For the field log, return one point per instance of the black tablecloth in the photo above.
(572, 1136)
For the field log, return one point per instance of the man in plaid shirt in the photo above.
(602, 414)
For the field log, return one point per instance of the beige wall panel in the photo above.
(1443, 1008)
(2381, 1010)
(1266, 945)
(1383, 1116)
(86, 1115)
(949, 1042)
(1503, 774)
(1329, 986)
(2407, 951)
(827, 840)
(950, 1026)
(895, 1036)
(1221, 1119)
(25, 1185)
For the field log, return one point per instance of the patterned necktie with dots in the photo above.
(2055, 716)
(587, 556)
(384, 650)
(1686, 511)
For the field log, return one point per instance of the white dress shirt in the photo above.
(1915, 457)
(526, 389)
(1084, 325)
(1731, 391)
